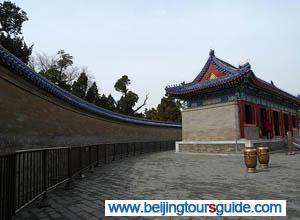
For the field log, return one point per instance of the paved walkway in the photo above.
(175, 176)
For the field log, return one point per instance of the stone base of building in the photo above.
(227, 146)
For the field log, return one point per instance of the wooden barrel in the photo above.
(250, 157)
(263, 156)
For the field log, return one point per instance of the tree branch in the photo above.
(144, 103)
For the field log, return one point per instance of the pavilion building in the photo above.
(227, 107)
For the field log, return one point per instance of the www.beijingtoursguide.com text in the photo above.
(195, 207)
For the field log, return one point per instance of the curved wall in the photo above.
(31, 117)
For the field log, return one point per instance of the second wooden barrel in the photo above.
(263, 156)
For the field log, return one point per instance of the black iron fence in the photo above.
(7, 185)
(27, 175)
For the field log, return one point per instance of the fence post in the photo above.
(146, 144)
(127, 149)
(114, 153)
(105, 148)
(90, 160)
(13, 183)
(81, 175)
(44, 200)
(97, 158)
(133, 149)
(121, 149)
(140, 147)
(69, 183)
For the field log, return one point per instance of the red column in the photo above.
(281, 122)
(291, 123)
(272, 121)
(257, 118)
(242, 118)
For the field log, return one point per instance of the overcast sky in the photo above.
(160, 42)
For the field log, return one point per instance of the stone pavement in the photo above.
(168, 175)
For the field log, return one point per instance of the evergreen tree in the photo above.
(55, 76)
(55, 73)
(107, 102)
(64, 61)
(79, 87)
(11, 21)
(167, 110)
(122, 84)
(92, 94)
(16, 46)
(111, 103)
(151, 114)
(127, 102)
(59, 70)
(128, 99)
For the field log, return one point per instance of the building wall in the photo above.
(257, 128)
(252, 133)
(31, 118)
(211, 123)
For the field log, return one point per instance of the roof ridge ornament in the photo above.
(245, 66)
(211, 53)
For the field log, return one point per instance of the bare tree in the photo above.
(43, 62)
(72, 73)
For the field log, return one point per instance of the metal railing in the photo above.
(7, 185)
(27, 175)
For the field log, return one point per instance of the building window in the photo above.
(294, 121)
(249, 116)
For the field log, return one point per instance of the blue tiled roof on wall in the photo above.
(21, 69)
